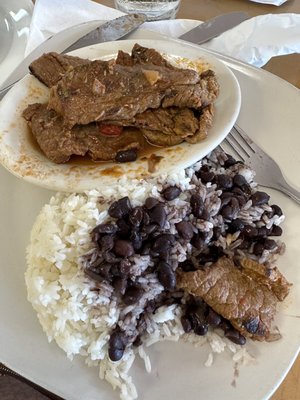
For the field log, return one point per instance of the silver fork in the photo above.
(268, 173)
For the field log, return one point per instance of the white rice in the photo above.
(78, 313)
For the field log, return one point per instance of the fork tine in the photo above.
(237, 150)
(243, 137)
(238, 145)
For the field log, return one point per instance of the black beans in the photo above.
(206, 176)
(252, 325)
(151, 202)
(107, 243)
(262, 232)
(116, 345)
(259, 198)
(123, 228)
(246, 190)
(213, 319)
(104, 269)
(137, 342)
(201, 329)
(132, 295)
(227, 212)
(217, 231)
(235, 337)
(224, 181)
(270, 244)
(198, 242)
(186, 324)
(136, 240)
(136, 216)
(162, 246)
(148, 230)
(108, 228)
(237, 225)
(249, 231)
(166, 276)
(197, 205)
(187, 266)
(185, 229)
(171, 193)
(120, 208)
(123, 248)
(277, 210)
(158, 215)
(239, 180)
(124, 267)
(225, 200)
(120, 285)
(126, 155)
(258, 249)
(230, 162)
(110, 257)
(276, 231)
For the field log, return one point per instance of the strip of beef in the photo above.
(199, 130)
(99, 91)
(237, 294)
(169, 121)
(50, 67)
(269, 276)
(59, 143)
(205, 122)
(142, 55)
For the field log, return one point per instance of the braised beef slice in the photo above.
(182, 130)
(142, 55)
(50, 67)
(59, 143)
(269, 276)
(140, 90)
(238, 294)
(180, 122)
(98, 91)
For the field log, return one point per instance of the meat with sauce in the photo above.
(102, 91)
(50, 67)
(246, 295)
(59, 143)
(140, 90)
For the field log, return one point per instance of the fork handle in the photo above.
(289, 190)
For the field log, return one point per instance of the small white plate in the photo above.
(24, 160)
(15, 17)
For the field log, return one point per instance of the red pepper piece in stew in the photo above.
(110, 130)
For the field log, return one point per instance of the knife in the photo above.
(113, 30)
(63, 42)
(214, 27)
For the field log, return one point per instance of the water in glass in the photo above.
(154, 9)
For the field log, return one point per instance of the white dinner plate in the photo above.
(178, 369)
(20, 157)
(15, 17)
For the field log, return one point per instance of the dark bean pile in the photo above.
(142, 230)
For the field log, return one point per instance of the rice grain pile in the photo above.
(79, 313)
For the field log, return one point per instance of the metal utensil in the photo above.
(268, 173)
(214, 27)
(93, 33)
(5, 371)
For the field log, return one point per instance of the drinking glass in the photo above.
(154, 9)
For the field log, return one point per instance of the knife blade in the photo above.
(63, 41)
(214, 27)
